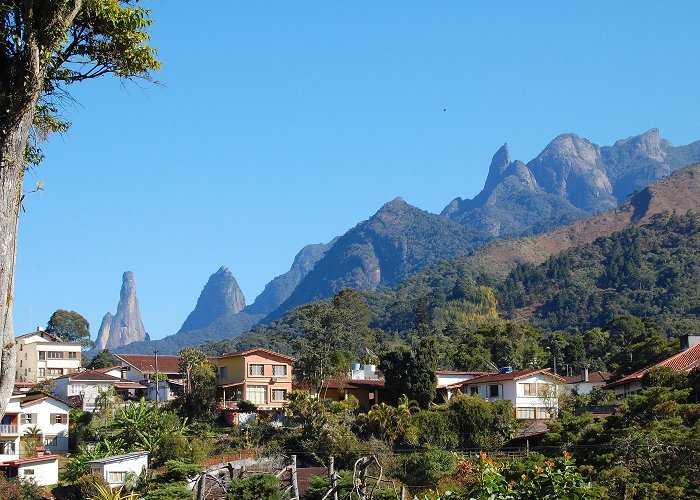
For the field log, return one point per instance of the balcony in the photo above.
(8, 429)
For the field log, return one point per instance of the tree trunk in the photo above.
(12, 146)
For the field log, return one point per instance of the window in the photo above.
(7, 448)
(116, 477)
(28, 472)
(525, 413)
(27, 418)
(55, 371)
(474, 391)
(279, 394)
(255, 370)
(42, 372)
(42, 355)
(51, 441)
(222, 372)
(279, 370)
(72, 370)
(55, 354)
(72, 355)
(257, 394)
(529, 389)
(77, 389)
(493, 391)
(59, 418)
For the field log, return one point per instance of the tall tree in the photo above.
(70, 326)
(412, 373)
(46, 45)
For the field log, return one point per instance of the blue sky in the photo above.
(280, 124)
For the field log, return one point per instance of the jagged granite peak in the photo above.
(499, 164)
(125, 326)
(397, 241)
(220, 297)
(570, 179)
(280, 288)
(103, 332)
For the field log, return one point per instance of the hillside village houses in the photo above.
(31, 412)
(83, 388)
(684, 361)
(41, 355)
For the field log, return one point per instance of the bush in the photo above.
(86, 486)
(170, 492)
(433, 428)
(426, 467)
(256, 487)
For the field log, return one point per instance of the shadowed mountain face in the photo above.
(126, 326)
(280, 288)
(570, 179)
(221, 296)
(396, 242)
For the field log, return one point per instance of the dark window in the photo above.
(493, 391)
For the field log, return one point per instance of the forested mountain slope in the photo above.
(646, 271)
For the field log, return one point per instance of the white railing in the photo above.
(8, 429)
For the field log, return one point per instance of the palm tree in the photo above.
(33, 438)
(105, 403)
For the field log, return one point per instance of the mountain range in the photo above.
(570, 180)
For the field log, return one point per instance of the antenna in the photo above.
(490, 365)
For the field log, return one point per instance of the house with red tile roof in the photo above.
(83, 388)
(683, 361)
(533, 392)
(139, 368)
(587, 380)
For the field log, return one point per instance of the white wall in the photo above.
(449, 379)
(129, 464)
(45, 473)
(43, 410)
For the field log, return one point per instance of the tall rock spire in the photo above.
(220, 297)
(126, 326)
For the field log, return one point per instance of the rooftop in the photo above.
(120, 458)
(514, 375)
(683, 361)
(146, 363)
(594, 377)
(258, 349)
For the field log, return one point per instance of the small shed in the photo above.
(114, 469)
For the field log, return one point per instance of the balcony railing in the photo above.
(8, 429)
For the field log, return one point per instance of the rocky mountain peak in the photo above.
(220, 297)
(497, 169)
(125, 326)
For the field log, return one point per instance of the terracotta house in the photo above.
(260, 376)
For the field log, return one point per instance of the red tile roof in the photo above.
(514, 375)
(353, 384)
(594, 377)
(258, 349)
(454, 372)
(40, 332)
(145, 363)
(683, 361)
(91, 375)
(29, 460)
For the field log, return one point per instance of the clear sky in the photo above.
(280, 124)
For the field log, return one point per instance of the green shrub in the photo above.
(170, 492)
(86, 486)
(433, 428)
(256, 487)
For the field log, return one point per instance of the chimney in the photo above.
(584, 374)
(39, 328)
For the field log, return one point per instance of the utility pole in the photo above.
(155, 355)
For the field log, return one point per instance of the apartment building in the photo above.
(260, 376)
(41, 355)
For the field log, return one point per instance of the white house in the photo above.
(115, 468)
(50, 416)
(584, 383)
(140, 368)
(533, 392)
(683, 361)
(450, 381)
(83, 388)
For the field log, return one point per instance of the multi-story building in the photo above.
(47, 418)
(260, 376)
(533, 392)
(41, 355)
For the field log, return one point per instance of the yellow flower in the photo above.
(538, 470)
(549, 464)
(523, 477)
(567, 454)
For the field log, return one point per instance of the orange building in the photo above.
(260, 376)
